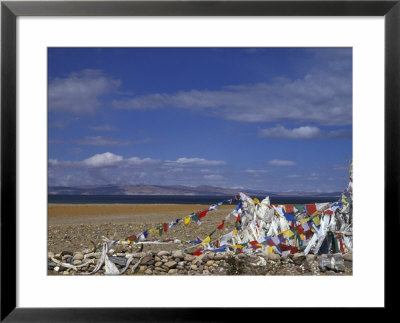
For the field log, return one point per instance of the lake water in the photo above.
(177, 199)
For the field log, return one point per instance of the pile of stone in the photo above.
(209, 263)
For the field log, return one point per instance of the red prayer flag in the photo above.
(254, 243)
(197, 252)
(238, 218)
(131, 238)
(311, 208)
(289, 208)
(202, 214)
(165, 227)
(329, 212)
(300, 229)
(340, 242)
(221, 225)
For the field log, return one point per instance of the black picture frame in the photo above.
(10, 10)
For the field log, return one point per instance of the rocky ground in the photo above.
(179, 263)
(70, 235)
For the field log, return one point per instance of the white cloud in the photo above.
(102, 160)
(305, 132)
(279, 162)
(280, 132)
(79, 93)
(194, 162)
(322, 99)
(103, 141)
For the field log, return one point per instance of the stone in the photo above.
(172, 272)
(146, 259)
(210, 263)
(189, 257)
(311, 257)
(77, 262)
(50, 255)
(158, 264)
(181, 263)
(348, 264)
(219, 256)
(64, 253)
(193, 267)
(171, 264)
(178, 254)
(78, 256)
(65, 273)
(118, 260)
(163, 253)
(299, 255)
(274, 257)
(51, 265)
(139, 255)
(348, 257)
(211, 255)
(148, 272)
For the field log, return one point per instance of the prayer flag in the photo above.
(289, 233)
(234, 231)
(300, 229)
(221, 225)
(186, 220)
(197, 252)
(316, 220)
(195, 217)
(311, 209)
(238, 218)
(289, 208)
(289, 217)
(299, 207)
(165, 227)
(206, 240)
(202, 214)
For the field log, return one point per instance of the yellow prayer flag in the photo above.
(305, 220)
(289, 233)
(238, 246)
(270, 249)
(234, 231)
(301, 236)
(316, 220)
(186, 220)
(256, 201)
(207, 240)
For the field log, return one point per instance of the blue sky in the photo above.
(274, 119)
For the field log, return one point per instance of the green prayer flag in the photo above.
(300, 207)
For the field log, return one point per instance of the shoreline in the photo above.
(68, 211)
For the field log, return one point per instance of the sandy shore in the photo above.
(73, 226)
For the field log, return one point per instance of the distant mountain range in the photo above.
(169, 190)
